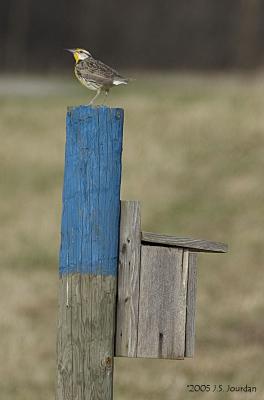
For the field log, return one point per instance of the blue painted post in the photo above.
(89, 253)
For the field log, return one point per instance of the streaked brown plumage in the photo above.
(94, 74)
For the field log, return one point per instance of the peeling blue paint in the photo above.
(91, 193)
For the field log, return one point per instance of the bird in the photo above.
(94, 74)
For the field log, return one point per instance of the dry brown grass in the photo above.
(193, 154)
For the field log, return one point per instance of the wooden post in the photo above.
(89, 253)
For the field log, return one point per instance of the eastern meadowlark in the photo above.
(94, 74)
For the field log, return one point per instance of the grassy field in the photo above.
(194, 156)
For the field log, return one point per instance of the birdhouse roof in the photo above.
(199, 245)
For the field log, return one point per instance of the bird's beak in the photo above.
(70, 50)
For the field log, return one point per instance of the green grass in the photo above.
(193, 154)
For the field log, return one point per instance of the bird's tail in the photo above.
(119, 80)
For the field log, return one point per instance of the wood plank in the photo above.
(128, 280)
(191, 306)
(192, 244)
(162, 303)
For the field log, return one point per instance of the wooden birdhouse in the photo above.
(157, 281)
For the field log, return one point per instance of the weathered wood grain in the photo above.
(128, 280)
(192, 244)
(64, 342)
(162, 302)
(91, 191)
(77, 337)
(85, 337)
(191, 305)
(99, 300)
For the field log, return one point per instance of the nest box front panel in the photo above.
(162, 302)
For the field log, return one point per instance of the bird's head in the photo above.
(79, 54)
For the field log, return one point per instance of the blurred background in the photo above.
(194, 137)
(151, 34)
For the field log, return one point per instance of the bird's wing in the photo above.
(98, 69)
(88, 76)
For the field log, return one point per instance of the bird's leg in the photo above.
(106, 94)
(97, 94)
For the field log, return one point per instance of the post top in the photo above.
(91, 108)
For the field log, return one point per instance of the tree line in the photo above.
(187, 34)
